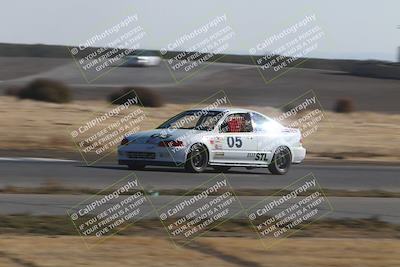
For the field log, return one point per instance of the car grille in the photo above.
(141, 155)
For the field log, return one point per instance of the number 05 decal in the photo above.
(237, 141)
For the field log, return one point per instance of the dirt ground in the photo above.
(32, 125)
(229, 251)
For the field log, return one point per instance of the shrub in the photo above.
(147, 97)
(12, 91)
(344, 105)
(46, 90)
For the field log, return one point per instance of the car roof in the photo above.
(224, 110)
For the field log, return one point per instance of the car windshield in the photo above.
(201, 120)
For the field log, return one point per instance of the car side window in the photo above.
(237, 123)
(260, 122)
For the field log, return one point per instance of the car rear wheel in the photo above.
(197, 160)
(136, 166)
(281, 161)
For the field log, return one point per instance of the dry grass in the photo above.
(54, 188)
(210, 251)
(315, 252)
(371, 228)
(36, 125)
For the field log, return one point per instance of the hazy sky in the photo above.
(361, 29)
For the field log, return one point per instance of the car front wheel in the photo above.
(281, 161)
(197, 160)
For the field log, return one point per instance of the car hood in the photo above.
(157, 135)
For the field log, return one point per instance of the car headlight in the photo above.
(124, 141)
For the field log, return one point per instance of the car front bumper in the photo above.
(151, 155)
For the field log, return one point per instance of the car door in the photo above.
(235, 140)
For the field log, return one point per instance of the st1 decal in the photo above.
(258, 156)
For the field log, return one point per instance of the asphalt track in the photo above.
(35, 173)
(386, 209)
(25, 173)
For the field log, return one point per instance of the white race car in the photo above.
(220, 138)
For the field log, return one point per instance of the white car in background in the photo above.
(142, 58)
(219, 138)
(142, 61)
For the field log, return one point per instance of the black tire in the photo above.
(136, 166)
(221, 168)
(281, 161)
(197, 160)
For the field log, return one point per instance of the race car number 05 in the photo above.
(237, 141)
